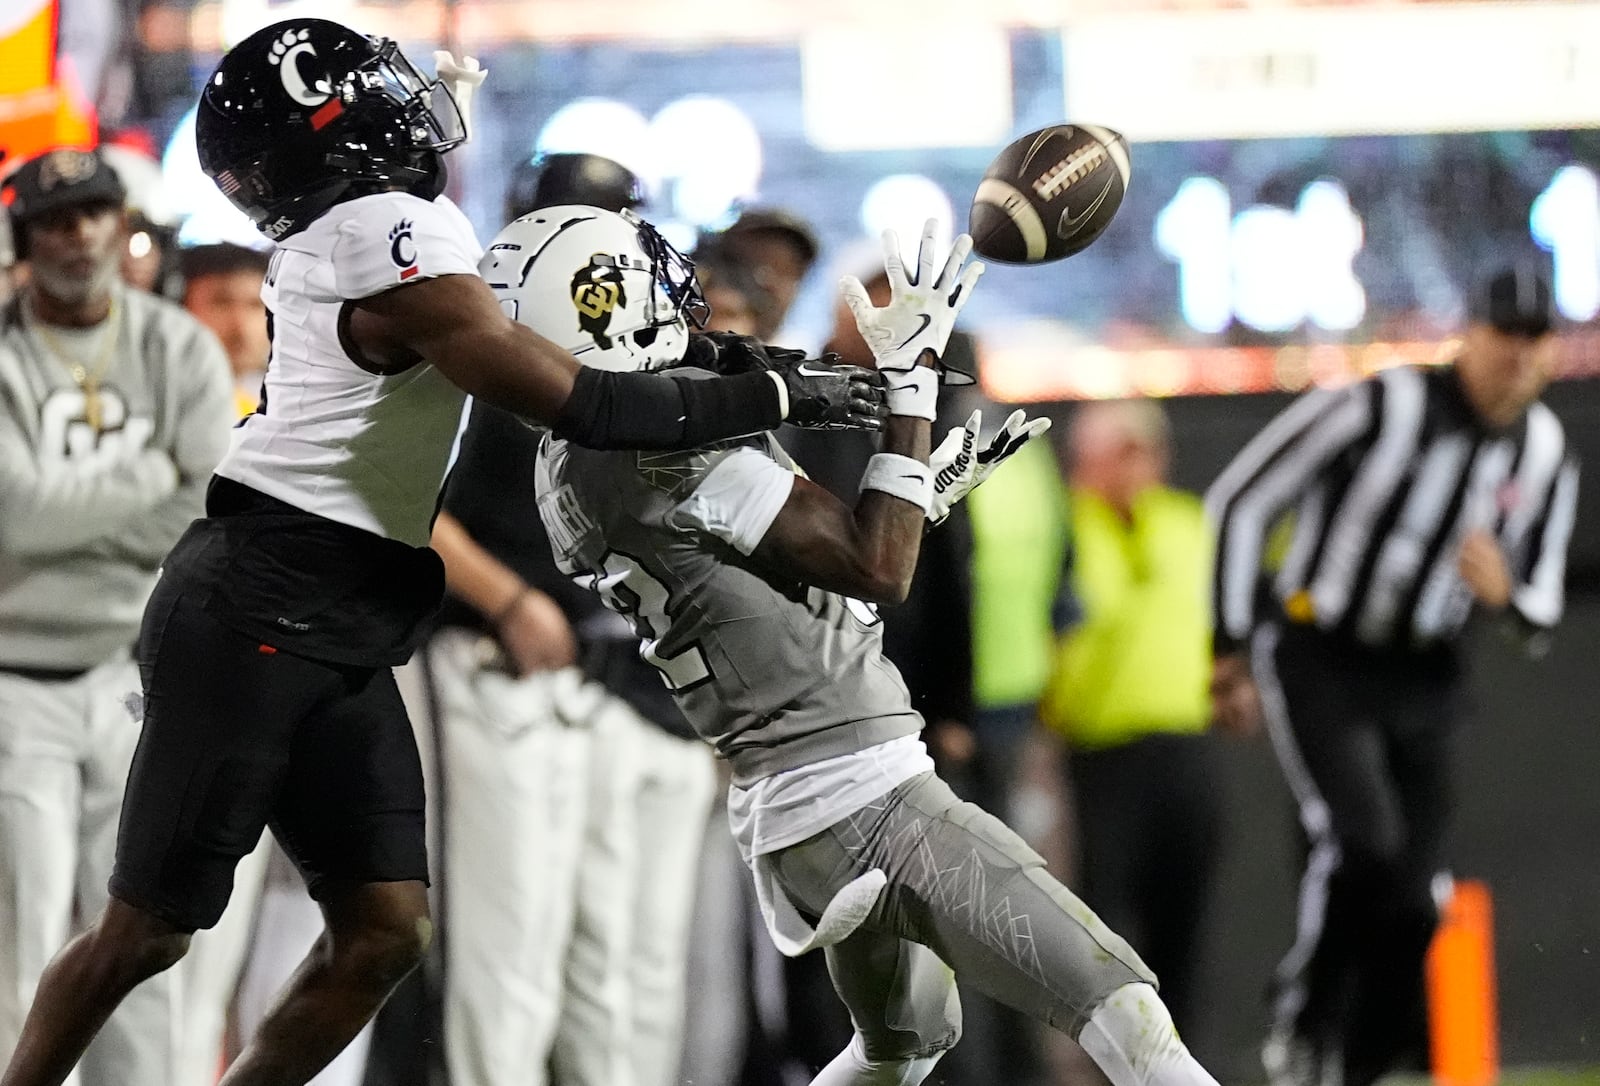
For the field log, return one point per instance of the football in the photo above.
(1049, 194)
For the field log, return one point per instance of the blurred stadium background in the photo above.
(1314, 186)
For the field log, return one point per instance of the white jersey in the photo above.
(335, 437)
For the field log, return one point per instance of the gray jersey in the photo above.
(775, 674)
(95, 490)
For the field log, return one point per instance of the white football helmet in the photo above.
(603, 284)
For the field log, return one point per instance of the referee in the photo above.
(1418, 497)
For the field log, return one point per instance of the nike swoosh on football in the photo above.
(1068, 224)
(926, 320)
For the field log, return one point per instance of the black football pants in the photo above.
(1150, 822)
(1366, 742)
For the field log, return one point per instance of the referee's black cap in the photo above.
(1515, 300)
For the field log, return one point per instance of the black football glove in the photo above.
(823, 395)
(826, 396)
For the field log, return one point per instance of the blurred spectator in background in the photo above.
(8, 258)
(729, 287)
(776, 249)
(222, 290)
(573, 794)
(1421, 496)
(1129, 693)
(149, 257)
(116, 411)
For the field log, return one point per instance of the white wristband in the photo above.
(783, 394)
(913, 393)
(900, 477)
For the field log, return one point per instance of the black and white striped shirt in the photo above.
(1386, 479)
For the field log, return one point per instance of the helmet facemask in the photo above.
(426, 105)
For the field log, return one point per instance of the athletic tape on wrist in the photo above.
(900, 477)
(913, 393)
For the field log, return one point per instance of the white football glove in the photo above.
(959, 467)
(922, 309)
(462, 77)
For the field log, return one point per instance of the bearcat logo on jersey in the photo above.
(403, 249)
(597, 290)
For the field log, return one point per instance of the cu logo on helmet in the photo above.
(287, 52)
(595, 299)
(597, 290)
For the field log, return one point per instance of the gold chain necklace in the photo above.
(87, 378)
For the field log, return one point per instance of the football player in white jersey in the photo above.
(267, 647)
(745, 584)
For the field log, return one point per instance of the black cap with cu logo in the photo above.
(65, 177)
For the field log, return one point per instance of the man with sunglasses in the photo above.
(267, 648)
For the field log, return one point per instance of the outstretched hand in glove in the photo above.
(959, 466)
(923, 303)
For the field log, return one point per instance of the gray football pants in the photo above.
(964, 893)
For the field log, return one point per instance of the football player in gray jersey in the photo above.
(753, 592)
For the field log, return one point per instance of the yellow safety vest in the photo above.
(1019, 534)
(1140, 660)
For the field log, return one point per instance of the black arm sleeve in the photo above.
(610, 410)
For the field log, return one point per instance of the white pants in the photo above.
(570, 834)
(734, 990)
(622, 1020)
(65, 748)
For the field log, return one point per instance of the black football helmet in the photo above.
(308, 113)
(592, 180)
